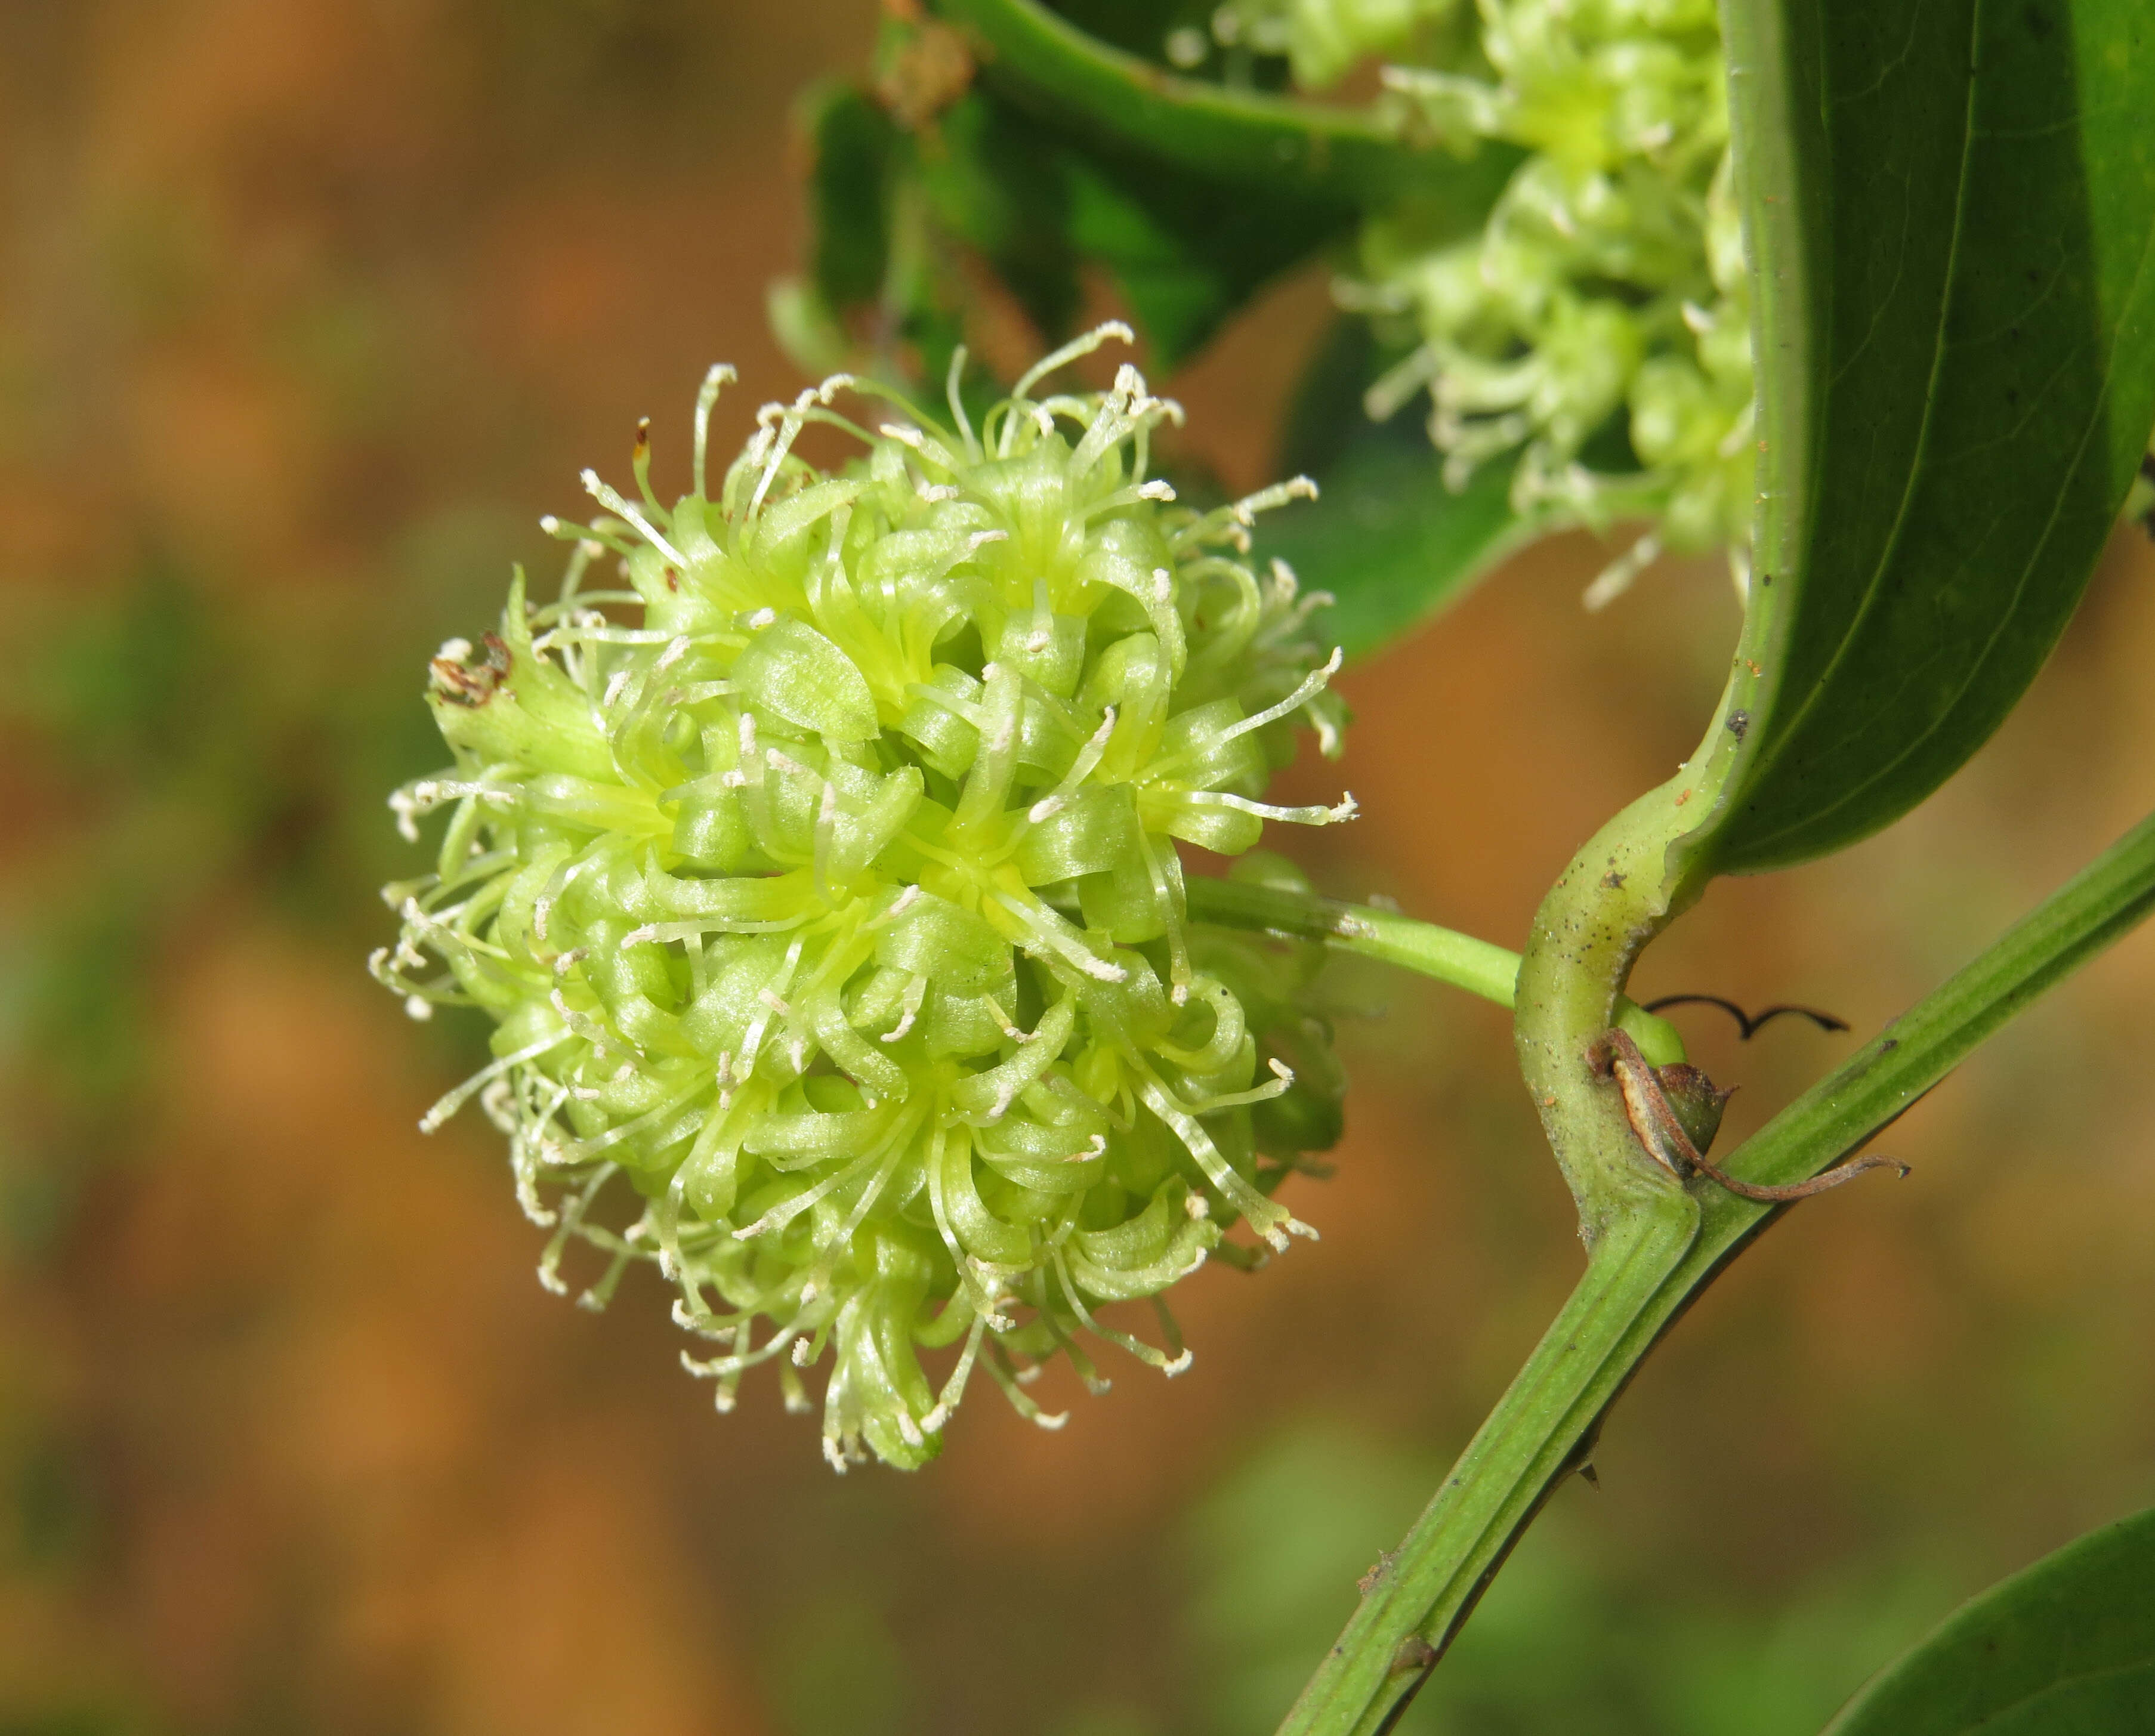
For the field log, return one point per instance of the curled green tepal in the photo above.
(794, 671)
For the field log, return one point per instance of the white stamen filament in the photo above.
(616, 502)
(721, 376)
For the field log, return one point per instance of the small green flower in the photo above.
(832, 909)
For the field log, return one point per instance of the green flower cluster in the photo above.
(833, 906)
(1598, 325)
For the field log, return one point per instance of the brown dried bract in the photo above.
(1657, 1126)
(462, 682)
(930, 71)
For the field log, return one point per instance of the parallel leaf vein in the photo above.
(1874, 586)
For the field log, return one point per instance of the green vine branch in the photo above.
(1358, 158)
(1648, 1265)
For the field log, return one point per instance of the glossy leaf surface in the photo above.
(1951, 206)
(1387, 540)
(1185, 251)
(2065, 1648)
(1389, 543)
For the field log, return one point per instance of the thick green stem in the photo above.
(1422, 1593)
(1353, 157)
(1649, 1264)
(1615, 896)
(1480, 967)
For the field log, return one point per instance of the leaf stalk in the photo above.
(1481, 967)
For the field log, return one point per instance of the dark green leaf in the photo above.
(1068, 149)
(855, 148)
(1952, 206)
(2065, 1648)
(1388, 542)
(1185, 252)
(997, 180)
(892, 210)
(1384, 537)
(1034, 200)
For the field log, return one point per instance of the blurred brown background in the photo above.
(307, 308)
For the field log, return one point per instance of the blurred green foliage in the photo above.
(209, 753)
(1561, 1642)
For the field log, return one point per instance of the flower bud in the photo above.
(820, 876)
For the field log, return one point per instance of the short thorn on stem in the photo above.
(1679, 1140)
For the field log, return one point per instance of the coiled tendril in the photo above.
(831, 912)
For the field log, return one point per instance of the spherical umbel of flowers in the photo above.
(829, 913)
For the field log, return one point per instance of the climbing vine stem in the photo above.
(1645, 1266)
